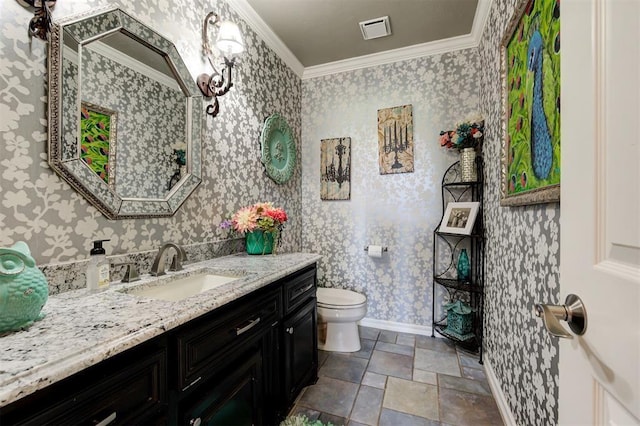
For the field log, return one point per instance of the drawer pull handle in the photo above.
(304, 290)
(247, 327)
(191, 384)
(111, 417)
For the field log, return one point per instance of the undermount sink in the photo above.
(176, 290)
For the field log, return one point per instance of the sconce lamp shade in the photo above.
(229, 39)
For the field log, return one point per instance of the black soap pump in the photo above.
(98, 269)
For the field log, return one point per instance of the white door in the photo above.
(600, 209)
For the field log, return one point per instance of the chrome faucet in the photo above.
(176, 264)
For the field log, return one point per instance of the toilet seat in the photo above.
(336, 298)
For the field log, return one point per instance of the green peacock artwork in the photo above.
(533, 99)
(95, 133)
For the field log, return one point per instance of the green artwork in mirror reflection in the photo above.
(96, 125)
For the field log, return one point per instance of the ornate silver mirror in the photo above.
(124, 115)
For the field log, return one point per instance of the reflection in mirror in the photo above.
(128, 134)
(98, 129)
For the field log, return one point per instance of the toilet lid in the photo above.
(339, 297)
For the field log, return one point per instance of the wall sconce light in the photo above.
(229, 42)
(40, 24)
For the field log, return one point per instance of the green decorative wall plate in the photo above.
(278, 149)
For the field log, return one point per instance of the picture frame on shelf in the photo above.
(459, 218)
(530, 71)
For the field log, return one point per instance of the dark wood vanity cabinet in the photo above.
(241, 364)
(130, 388)
(300, 335)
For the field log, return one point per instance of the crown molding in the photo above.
(390, 56)
(265, 32)
(467, 41)
(480, 19)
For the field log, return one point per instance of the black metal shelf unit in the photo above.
(446, 249)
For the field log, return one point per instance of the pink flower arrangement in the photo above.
(260, 216)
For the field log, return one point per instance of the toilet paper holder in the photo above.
(383, 249)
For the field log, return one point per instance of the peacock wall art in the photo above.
(532, 102)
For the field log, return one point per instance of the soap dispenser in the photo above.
(98, 269)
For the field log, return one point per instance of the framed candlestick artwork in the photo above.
(395, 140)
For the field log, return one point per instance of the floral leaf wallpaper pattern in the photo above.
(58, 224)
(523, 261)
(395, 210)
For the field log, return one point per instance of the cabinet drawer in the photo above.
(298, 289)
(209, 341)
(131, 395)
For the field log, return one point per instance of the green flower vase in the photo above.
(259, 242)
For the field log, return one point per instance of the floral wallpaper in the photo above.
(398, 211)
(522, 261)
(38, 207)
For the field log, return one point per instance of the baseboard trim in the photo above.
(498, 395)
(423, 330)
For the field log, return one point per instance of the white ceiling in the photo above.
(319, 37)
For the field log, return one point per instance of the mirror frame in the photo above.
(65, 158)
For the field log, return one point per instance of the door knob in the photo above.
(573, 312)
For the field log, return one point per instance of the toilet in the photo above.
(338, 311)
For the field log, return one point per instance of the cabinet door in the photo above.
(301, 350)
(231, 398)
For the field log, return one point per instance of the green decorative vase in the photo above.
(463, 267)
(259, 242)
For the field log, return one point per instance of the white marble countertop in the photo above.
(81, 329)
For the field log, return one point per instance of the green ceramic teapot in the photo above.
(23, 288)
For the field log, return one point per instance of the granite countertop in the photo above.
(81, 329)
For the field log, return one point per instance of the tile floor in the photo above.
(400, 379)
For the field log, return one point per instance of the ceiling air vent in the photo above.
(374, 28)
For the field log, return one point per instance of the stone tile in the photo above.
(418, 399)
(425, 377)
(406, 339)
(391, 364)
(344, 367)
(322, 357)
(369, 333)
(464, 385)
(352, 423)
(366, 348)
(395, 418)
(387, 336)
(394, 348)
(469, 360)
(307, 412)
(438, 362)
(367, 407)
(473, 373)
(463, 408)
(374, 380)
(435, 344)
(334, 420)
(330, 396)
